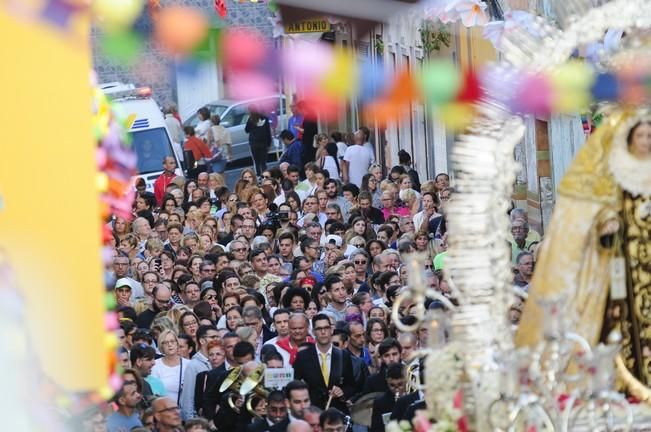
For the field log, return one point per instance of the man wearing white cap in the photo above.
(127, 291)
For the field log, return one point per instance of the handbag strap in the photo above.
(178, 398)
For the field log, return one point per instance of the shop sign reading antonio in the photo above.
(316, 25)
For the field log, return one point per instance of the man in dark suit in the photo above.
(276, 413)
(212, 398)
(389, 350)
(402, 404)
(384, 404)
(326, 370)
(406, 406)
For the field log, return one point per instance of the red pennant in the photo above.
(471, 90)
(220, 8)
(404, 89)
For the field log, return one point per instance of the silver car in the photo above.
(234, 115)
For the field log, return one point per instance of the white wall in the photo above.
(566, 136)
(416, 132)
(195, 90)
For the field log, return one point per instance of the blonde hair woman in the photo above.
(169, 368)
(388, 186)
(194, 219)
(176, 312)
(161, 323)
(410, 198)
(191, 241)
(219, 140)
(129, 245)
(376, 171)
(215, 181)
(320, 142)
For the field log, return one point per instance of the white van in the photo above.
(149, 136)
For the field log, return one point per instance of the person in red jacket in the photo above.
(196, 145)
(161, 183)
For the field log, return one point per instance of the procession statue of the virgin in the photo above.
(597, 251)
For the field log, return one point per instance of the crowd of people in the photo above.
(294, 268)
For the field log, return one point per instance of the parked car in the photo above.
(234, 115)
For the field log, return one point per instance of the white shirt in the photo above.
(328, 355)
(169, 376)
(369, 146)
(174, 128)
(419, 220)
(322, 220)
(201, 128)
(280, 199)
(221, 324)
(273, 340)
(330, 165)
(341, 150)
(283, 353)
(359, 159)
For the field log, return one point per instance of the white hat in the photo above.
(124, 282)
(258, 240)
(333, 238)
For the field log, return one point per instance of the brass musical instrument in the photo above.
(253, 389)
(232, 380)
(413, 377)
(362, 410)
(232, 383)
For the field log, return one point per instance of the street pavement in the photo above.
(232, 173)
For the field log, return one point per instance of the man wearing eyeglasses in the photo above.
(208, 269)
(248, 229)
(312, 251)
(360, 259)
(520, 243)
(335, 381)
(121, 266)
(166, 415)
(162, 301)
(239, 250)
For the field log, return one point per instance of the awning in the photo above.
(362, 14)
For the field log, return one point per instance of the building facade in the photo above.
(189, 85)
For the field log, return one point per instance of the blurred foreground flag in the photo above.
(363, 14)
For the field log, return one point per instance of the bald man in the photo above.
(299, 426)
(249, 367)
(408, 342)
(167, 415)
